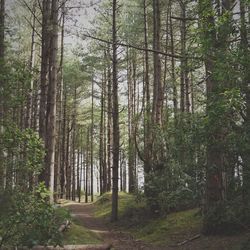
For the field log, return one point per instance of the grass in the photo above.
(103, 204)
(169, 230)
(77, 235)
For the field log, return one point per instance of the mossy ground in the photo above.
(77, 235)
(166, 230)
(103, 204)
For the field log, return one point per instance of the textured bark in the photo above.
(44, 175)
(158, 95)
(2, 102)
(63, 147)
(131, 134)
(29, 111)
(173, 77)
(2, 27)
(116, 132)
(51, 101)
(147, 133)
(78, 170)
(101, 141)
(215, 168)
(67, 160)
(185, 100)
(92, 145)
(109, 125)
(60, 94)
(87, 168)
(73, 156)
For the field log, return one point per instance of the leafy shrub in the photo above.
(227, 218)
(166, 194)
(28, 219)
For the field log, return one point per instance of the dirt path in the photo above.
(119, 240)
(124, 241)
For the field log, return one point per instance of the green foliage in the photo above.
(23, 154)
(26, 146)
(177, 180)
(28, 219)
(227, 217)
(165, 194)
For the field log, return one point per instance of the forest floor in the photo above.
(84, 214)
(169, 233)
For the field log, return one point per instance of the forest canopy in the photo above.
(149, 97)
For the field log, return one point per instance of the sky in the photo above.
(80, 13)
(79, 20)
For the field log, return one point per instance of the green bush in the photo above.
(27, 219)
(227, 217)
(165, 194)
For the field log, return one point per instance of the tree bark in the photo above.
(51, 104)
(44, 175)
(92, 145)
(116, 131)
(157, 88)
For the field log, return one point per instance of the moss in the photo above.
(171, 228)
(135, 218)
(77, 234)
(103, 204)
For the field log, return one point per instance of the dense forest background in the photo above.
(153, 99)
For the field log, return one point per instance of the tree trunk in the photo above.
(101, 141)
(116, 132)
(147, 133)
(91, 145)
(131, 148)
(28, 122)
(2, 102)
(87, 168)
(157, 88)
(44, 175)
(109, 125)
(51, 104)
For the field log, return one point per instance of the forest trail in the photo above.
(84, 213)
(111, 234)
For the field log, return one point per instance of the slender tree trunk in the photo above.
(74, 144)
(29, 112)
(2, 27)
(105, 134)
(157, 88)
(91, 145)
(147, 133)
(63, 165)
(67, 164)
(51, 105)
(78, 174)
(60, 94)
(87, 168)
(173, 77)
(110, 126)
(44, 175)
(2, 102)
(101, 141)
(131, 148)
(116, 132)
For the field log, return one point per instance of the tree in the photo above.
(115, 112)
